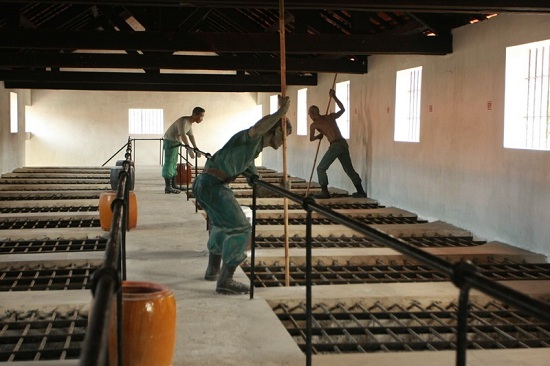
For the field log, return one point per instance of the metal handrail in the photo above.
(195, 166)
(106, 281)
(463, 274)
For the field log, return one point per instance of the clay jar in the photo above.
(184, 174)
(106, 214)
(148, 325)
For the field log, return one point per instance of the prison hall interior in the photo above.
(452, 150)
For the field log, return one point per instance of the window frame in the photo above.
(527, 97)
(343, 122)
(408, 98)
(144, 127)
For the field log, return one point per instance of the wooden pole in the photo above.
(319, 144)
(285, 165)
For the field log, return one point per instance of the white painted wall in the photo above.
(72, 128)
(459, 172)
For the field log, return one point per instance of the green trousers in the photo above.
(337, 150)
(171, 149)
(230, 230)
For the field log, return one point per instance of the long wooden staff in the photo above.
(285, 166)
(319, 144)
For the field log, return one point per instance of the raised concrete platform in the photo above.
(370, 256)
(169, 246)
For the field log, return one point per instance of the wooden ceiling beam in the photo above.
(141, 87)
(178, 62)
(133, 79)
(331, 44)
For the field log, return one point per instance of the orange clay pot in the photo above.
(183, 174)
(106, 214)
(148, 325)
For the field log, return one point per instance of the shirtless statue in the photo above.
(338, 149)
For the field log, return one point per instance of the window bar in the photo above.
(540, 102)
(547, 91)
(540, 83)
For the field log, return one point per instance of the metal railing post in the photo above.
(253, 241)
(458, 278)
(309, 300)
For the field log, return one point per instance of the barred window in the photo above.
(301, 110)
(527, 97)
(146, 121)
(408, 91)
(342, 93)
(14, 113)
(273, 103)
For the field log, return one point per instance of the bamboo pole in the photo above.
(285, 165)
(319, 144)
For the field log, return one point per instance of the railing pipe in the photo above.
(106, 280)
(309, 300)
(253, 242)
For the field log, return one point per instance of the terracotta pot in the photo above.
(148, 325)
(106, 214)
(184, 174)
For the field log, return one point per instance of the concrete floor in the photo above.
(168, 246)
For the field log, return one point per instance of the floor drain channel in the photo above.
(368, 220)
(37, 196)
(331, 205)
(13, 210)
(48, 224)
(247, 193)
(52, 245)
(274, 276)
(68, 181)
(41, 336)
(42, 278)
(38, 187)
(344, 241)
(398, 328)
